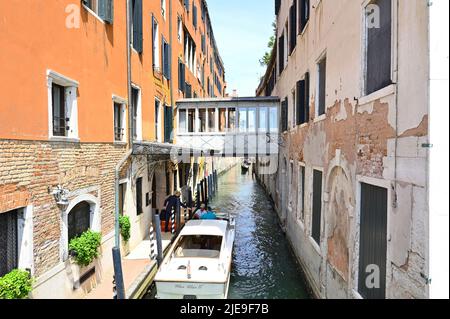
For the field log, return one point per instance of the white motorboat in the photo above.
(198, 265)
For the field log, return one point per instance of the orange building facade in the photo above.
(74, 98)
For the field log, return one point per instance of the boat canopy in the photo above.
(205, 227)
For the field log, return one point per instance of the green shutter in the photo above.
(137, 26)
(168, 124)
(106, 10)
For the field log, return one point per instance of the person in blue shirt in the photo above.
(209, 214)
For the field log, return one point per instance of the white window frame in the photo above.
(390, 89)
(163, 9)
(318, 117)
(180, 29)
(94, 221)
(138, 113)
(123, 123)
(156, 48)
(158, 122)
(71, 88)
(301, 210)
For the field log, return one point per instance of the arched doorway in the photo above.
(79, 220)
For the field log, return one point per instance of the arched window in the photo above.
(79, 220)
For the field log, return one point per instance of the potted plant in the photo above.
(16, 285)
(125, 228)
(84, 249)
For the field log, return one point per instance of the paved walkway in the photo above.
(138, 271)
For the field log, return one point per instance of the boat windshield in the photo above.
(201, 246)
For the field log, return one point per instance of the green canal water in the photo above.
(264, 266)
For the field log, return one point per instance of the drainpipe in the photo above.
(117, 263)
(171, 66)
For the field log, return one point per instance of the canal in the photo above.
(264, 266)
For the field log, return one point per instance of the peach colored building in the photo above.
(74, 99)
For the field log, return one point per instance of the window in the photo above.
(202, 120)
(188, 93)
(63, 120)
(222, 120)
(252, 120)
(119, 122)
(373, 239)
(163, 8)
(304, 14)
(186, 121)
(135, 102)
(194, 15)
(181, 76)
(231, 119)
(186, 5)
(166, 59)
(136, 24)
(122, 192)
(273, 119)
(262, 125)
(293, 27)
(317, 206)
(158, 120)
(168, 123)
(191, 121)
(182, 121)
(301, 204)
(211, 120)
(155, 50)
(103, 8)
(79, 220)
(281, 54)
(60, 120)
(303, 100)
(242, 120)
(180, 29)
(321, 89)
(203, 246)
(378, 48)
(284, 115)
(277, 6)
(139, 209)
(292, 115)
(9, 247)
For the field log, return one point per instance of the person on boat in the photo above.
(170, 203)
(202, 211)
(209, 215)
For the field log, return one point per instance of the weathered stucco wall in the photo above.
(375, 139)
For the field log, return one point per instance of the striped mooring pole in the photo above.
(153, 250)
(172, 219)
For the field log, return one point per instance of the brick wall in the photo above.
(28, 170)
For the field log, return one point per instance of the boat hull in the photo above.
(192, 290)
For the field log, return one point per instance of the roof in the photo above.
(205, 227)
(274, 99)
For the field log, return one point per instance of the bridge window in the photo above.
(231, 119)
(182, 121)
(273, 119)
(242, 121)
(262, 119)
(251, 120)
(191, 121)
(202, 120)
(222, 120)
(211, 120)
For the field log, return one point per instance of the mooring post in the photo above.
(118, 275)
(178, 217)
(217, 179)
(153, 252)
(198, 196)
(159, 257)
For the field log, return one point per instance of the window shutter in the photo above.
(166, 55)
(307, 97)
(168, 123)
(106, 10)
(277, 6)
(137, 26)
(293, 27)
(153, 40)
(186, 4)
(300, 102)
(194, 16)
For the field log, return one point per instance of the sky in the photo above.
(242, 29)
